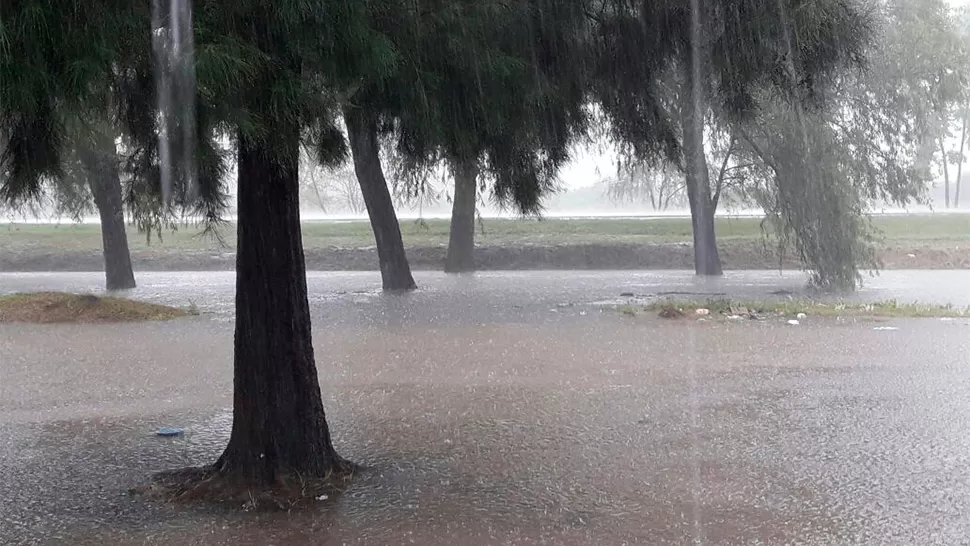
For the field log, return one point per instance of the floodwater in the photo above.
(506, 409)
(355, 297)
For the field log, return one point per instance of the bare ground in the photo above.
(62, 307)
(744, 254)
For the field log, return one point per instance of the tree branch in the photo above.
(720, 175)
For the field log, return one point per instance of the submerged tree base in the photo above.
(209, 485)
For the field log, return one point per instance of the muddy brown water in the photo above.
(580, 428)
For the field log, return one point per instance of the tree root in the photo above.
(210, 485)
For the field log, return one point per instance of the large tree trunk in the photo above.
(461, 242)
(101, 165)
(395, 271)
(693, 107)
(279, 429)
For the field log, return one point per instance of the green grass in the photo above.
(791, 308)
(62, 307)
(926, 228)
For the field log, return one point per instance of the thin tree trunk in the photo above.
(963, 142)
(707, 260)
(101, 166)
(721, 172)
(395, 271)
(279, 428)
(461, 241)
(321, 202)
(946, 175)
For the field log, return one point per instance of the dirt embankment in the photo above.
(734, 254)
(62, 307)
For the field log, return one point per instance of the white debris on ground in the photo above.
(700, 311)
(793, 322)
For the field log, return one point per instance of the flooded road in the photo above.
(355, 297)
(502, 410)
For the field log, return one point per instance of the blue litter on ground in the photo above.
(168, 431)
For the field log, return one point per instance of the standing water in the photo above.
(174, 49)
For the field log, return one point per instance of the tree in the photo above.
(814, 200)
(461, 235)
(279, 433)
(315, 182)
(366, 107)
(410, 189)
(960, 157)
(261, 70)
(496, 91)
(962, 23)
(90, 169)
(665, 68)
(347, 190)
(100, 161)
(331, 188)
(817, 171)
(920, 68)
(363, 133)
(866, 145)
(664, 185)
(89, 180)
(661, 186)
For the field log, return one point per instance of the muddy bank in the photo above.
(735, 255)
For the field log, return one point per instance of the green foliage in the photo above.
(60, 70)
(817, 173)
(507, 84)
(815, 202)
(917, 77)
(259, 66)
(744, 52)
(497, 83)
(822, 139)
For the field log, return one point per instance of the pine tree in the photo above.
(267, 76)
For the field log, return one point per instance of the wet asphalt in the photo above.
(511, 409)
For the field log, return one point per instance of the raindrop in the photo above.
(173, 44)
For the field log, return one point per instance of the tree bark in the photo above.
(707, 260)
(395, 270)
(279, 428)
(461, 241)
(101, 165)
